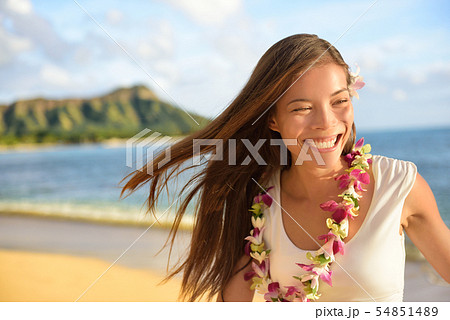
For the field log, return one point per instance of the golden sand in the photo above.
(29, 276)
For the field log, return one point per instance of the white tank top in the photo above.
(372, 268)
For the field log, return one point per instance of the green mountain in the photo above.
(119, 114)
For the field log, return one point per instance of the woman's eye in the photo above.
(302, 109)
(341, 101)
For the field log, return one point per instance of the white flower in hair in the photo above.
(356, 83)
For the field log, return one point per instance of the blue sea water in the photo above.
(85, 178)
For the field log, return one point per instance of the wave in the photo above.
(163, 218)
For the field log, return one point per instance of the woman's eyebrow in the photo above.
(339, 91)
(296, 100)
(307, 100)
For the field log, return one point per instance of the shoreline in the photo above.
(56, 259)
(412, 252)
(120, 142)
(164, 222)
(107, 143)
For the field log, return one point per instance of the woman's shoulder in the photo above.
(383, 162)
(394, 173)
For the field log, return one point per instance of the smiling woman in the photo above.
(317, 107)
(312, 234)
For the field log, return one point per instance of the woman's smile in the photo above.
(317, 112)
(324, 144)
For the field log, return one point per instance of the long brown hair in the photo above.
(225, 191)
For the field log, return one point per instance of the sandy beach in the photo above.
(31, 276)
(44, 259)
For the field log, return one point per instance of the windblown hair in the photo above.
(225, 191)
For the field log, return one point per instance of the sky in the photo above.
(198, 54)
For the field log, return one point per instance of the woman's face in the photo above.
(316, 107)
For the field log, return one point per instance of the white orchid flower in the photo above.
(259, 256)
(258, 222)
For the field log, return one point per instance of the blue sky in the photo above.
(200, 53)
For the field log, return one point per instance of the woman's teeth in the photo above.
(325, 144)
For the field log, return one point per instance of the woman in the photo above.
(304, 233)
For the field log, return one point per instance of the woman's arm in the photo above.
(237, 289)
(425, 227)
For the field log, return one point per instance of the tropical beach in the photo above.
(48, 259)
(62, 225)
(88, 100)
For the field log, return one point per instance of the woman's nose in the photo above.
(324, 118)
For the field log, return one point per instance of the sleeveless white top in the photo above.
(372, 268)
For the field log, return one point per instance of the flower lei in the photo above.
(307, 287)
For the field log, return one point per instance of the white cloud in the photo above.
(24, 23)
(54, 75)
(158, 43)
(19, 6)
(167, 69)
(211, 12)
(379, 55)
(203, 60)
(417, 78)
(431, 74)
(376, 86)
(11, 45)
(399, 95)
(114, 16)
(83, 55)
(146, 50)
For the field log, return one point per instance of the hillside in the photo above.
(119, 114)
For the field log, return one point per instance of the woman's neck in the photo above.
(310, 182)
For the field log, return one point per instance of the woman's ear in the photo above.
(273, 124)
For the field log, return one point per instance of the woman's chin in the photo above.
(331, 159)
(320, 158)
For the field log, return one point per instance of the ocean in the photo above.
(82, 181)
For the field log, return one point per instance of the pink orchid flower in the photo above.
(344, 180)
(295, 293)
(335, 243)
(264, 197)
(340, 210)
(356, 83)
(256, 236)
(247, 248)
(313, 277)
(338, 246)
(355, 152)
(359, 144)
(262, 269)
(349, 157)
(360, 177)
(292, 290)
(329, 205)
(273, 293)
(324, 273)
(249, 275)
(306, 267)
(326, 250)
(259, 271)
